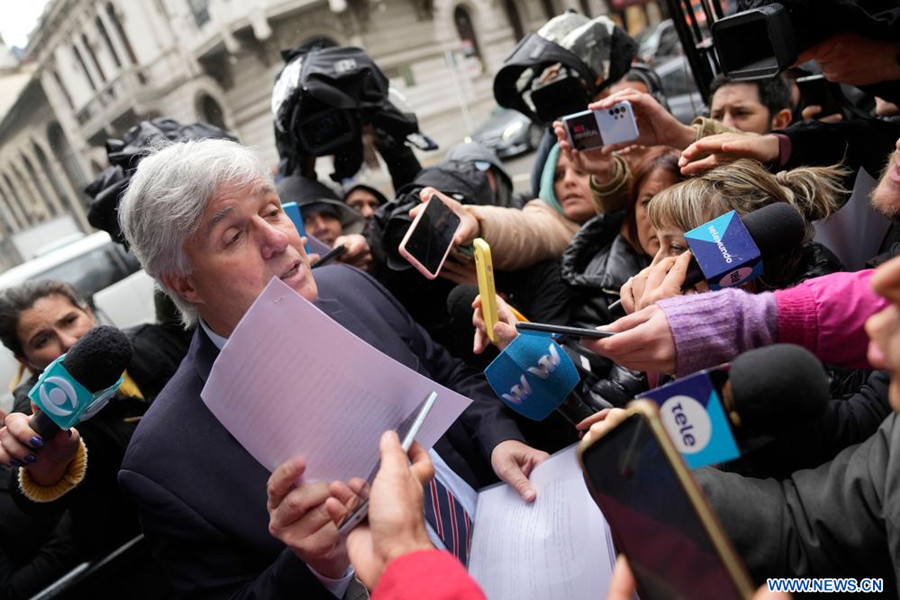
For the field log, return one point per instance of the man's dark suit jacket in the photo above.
(202, 497)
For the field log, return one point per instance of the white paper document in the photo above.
(291, 382)
(558, 548)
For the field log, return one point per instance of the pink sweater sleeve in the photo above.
(827, 315)
(426, 575)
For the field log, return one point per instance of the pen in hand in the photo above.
(333, 254)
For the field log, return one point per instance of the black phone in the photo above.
(657, 513)
(575, 332)
(430, 237)
(815, 89)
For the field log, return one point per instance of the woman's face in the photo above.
(573, 191)
(49, 328)
(653, 184)
(671, 242)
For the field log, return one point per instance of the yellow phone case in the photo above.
(484, 268)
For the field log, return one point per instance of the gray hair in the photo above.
(166, 197)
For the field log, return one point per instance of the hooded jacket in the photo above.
(596, 265)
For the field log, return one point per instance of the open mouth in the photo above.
(291, 272)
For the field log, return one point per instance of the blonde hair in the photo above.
(745, 186)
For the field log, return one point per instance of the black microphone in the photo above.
(716, 414)
(777, 229)
(459, 303)
(95, 362)
(776, 388)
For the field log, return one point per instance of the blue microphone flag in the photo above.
(692, 412)
(533, 375)
(725, 251)
(65, 401)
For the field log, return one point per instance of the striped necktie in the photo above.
(449, 520)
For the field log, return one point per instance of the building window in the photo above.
(466, 32)
(549, 10)
(84, 67)
(211, 112)
(120, 31)
(90, 51)
(515, 20)
(200, 10)
(108, 41)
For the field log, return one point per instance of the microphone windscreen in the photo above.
(778, 387)
(98, 358)
(459, 302)
(776, 228)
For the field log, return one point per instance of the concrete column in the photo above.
(38, 204)
(44, 183)
(73, 200)
(14, 201)
(10, 223)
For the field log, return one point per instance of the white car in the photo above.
(109, 277)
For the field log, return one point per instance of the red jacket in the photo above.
(427, 575)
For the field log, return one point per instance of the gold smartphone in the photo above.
(659, 518)
(484, 268)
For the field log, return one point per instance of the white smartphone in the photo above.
(597, 128)
(407, 431)
(428, 240)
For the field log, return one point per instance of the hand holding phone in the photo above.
(602, 127)
(657, 513)
(816, 91)
(484, 269)
(428, 240)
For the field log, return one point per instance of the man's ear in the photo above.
(781, 119)
(182, 285)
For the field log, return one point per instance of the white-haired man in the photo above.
(207, 224)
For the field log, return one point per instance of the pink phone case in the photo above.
(412, 259)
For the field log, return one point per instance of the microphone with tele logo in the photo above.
(75, 386)
(712, 414)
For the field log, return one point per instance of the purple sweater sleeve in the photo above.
(714, 327)
(827, 316)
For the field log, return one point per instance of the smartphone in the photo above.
(428, 240)
(657, 513)
(484, 269)
(407, 431)
(815, 89)
(578, 332)
(597, 128)
(292, 210)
